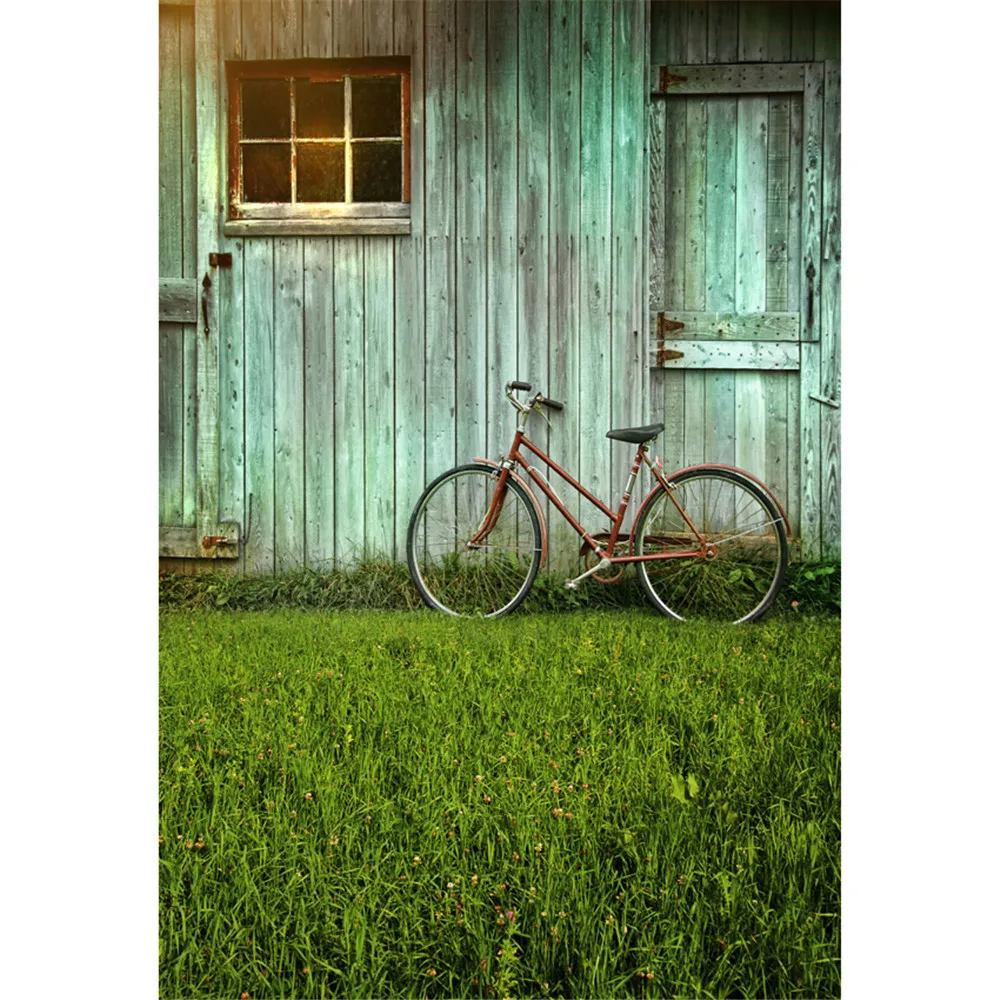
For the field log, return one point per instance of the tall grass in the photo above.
(591, 805)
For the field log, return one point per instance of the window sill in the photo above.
(318, 227)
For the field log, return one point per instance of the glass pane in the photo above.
(375, 106)
(266, 109)
(378, 171)
(267, 172)
(319, 109)
(319, 172)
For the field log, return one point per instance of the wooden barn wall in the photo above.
(177, 240)
(355, 369)
(730, 176)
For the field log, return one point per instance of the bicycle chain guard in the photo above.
(615, 572)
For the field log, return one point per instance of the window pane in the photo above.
(267, 172)
(319, 109)
(319, 172)
(375, 106)
(266, 109)
(378, 171)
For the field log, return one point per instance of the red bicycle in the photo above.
(709, 541)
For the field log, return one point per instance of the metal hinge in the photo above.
(220, 260)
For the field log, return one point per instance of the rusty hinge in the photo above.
(220, 260)
(212, 541)
(668, 80)
(664, 328)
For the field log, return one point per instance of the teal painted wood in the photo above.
(754, 20)
(778, 162)
(628, 311)
(501, 219)
(779, 30)
(379, 350)
(830, 304)
(532, 203)
(696, 51)
(670, 397)
(171, 335)
(289, 406)
(751, 244)
(349, 398)
(439, 207)
(595, 225)
(720, 248)
(232, 391)
(809, 417)
(379, 437)
(258, 320)
(803, 32)
(318, 359)
(471, 355)
(317, 300)
(409, 291)
(289, 350)
(793, 461)
(659, 30)
(564, 257)
(827, 20)
(207, 375)
(723, 32)
(699, 355)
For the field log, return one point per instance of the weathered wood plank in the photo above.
(794, 254)
(595, 225)
(777, 203)
(809, 417)
(439, 163)
(720, 240)
(564, 258)
(377, 16)
(749, 354)
(409, 291)
(379, 439)
(827, 44)
(751, 247)
(317, 227)
(803, 40)
(171, 423)
(179, 300)
(170, 181)
(657, 202)
(532, 203)
(749, 78)
(776, 431)
(318, 345)
(471, 356)
(754, 21)
(723, 31)
(726, 325)
(348, 28)
(501, 219)
(628, 297)
(207, 100)
(830, 342)
(349, 402)
(188, 149)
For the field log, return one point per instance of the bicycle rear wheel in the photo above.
(490, 578)
(740, 582)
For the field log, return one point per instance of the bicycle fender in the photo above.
(538, 507)
(729, 468)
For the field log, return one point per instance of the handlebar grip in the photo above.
(550, 403)
(521, 386)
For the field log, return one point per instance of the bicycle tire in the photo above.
(493, 578)
(741, 582)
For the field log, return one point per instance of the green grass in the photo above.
(369, 796)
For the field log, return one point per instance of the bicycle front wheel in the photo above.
(490, 577)
(735, 517)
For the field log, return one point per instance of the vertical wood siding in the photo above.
(178, 227)
(727, 203)
(355, 369)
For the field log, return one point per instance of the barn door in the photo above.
(735, 217)
(188, 338)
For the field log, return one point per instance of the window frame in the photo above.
(313, 218)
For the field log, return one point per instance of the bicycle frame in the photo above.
(514, 457)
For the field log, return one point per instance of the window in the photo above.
(319, 146)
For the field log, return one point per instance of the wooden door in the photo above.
(188, 334)
(736, 192)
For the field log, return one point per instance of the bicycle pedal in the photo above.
(572, 584)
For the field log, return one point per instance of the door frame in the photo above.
(766, 341)
(195, 300)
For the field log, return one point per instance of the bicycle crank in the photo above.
(614, 571)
